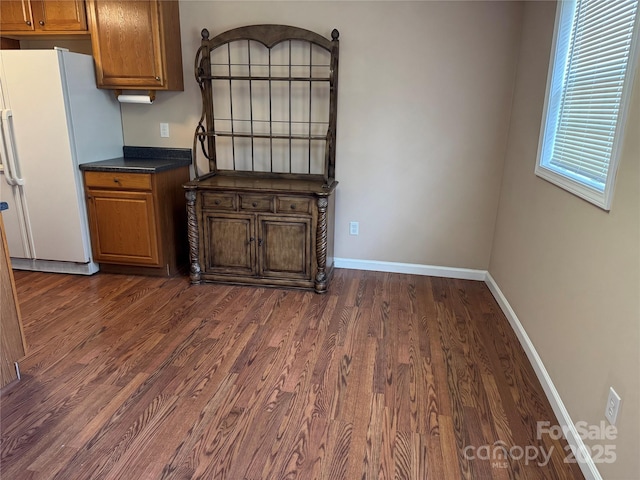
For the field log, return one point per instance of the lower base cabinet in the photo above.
(137, 221)
(283, 237)
(263, 245)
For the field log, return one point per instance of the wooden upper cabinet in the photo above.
(15, 16)
(45, 17)
(136, 44)
(60, 16)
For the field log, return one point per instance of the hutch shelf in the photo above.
(263, 213)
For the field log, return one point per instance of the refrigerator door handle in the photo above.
(4, 167)
(9, 165)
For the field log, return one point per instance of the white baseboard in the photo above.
(580, 451)
(411, 268)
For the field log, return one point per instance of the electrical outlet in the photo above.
(354, 228)
(613, 406)
(164, 130)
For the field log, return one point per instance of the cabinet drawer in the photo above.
(256, 203)
(135, 181)
(219, 201)
(293, 205)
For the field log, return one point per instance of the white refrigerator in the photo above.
(53, 119)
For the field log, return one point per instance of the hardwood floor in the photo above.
(385, 376)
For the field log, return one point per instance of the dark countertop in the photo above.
(143, 160)
(254, 183)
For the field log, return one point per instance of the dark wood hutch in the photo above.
(264, 212)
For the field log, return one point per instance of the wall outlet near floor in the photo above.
(164, 130)
(613, 406)
(354, 228)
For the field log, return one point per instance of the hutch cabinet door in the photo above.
(285, 246)
(229, 244)
(15, 16)
(60, 16)
(123, 227)
(127, 43)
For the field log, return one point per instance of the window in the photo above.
(588, 90)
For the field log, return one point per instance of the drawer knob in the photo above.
(28, 22)
(41, 23)
(293, 206)
(116, 180)
(254, 204)
(217, 202)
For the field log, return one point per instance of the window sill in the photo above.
(599, 199)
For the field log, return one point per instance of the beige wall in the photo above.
(570, 270)
(78, 46)
(423, 113)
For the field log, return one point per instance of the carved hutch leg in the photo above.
(321, 246)
(192, 232)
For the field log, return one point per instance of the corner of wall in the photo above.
(505, 149)
(578, 447)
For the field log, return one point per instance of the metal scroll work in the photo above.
(202, 70)
(269, 101)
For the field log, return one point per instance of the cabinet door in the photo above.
(284, 243)
(229, 244)
(11, 334)
(15, 16)
(60, 15)
(126, 43)
(123, 227)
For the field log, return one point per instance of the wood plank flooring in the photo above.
(385, 376)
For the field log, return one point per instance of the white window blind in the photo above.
(587, 92)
